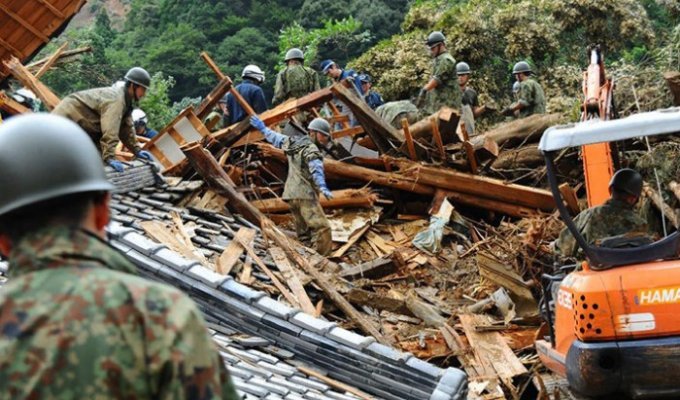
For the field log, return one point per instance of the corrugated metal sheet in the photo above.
(27, 25)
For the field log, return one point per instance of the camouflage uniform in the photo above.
(447, 93)
(299, 192)
(531, 97)
(394, 111)
(105, 114)
(75, 323)
(613, 218)
(293, 82)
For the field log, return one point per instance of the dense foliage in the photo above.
(383, 38)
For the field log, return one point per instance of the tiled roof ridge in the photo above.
(345, 356)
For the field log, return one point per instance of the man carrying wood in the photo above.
(615, 217)
(442, 89)
(106, 115)
(305, 176)
(531, 97)
(251, 92)
(295, 80)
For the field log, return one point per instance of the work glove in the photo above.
(117, 165)
(257, 123)
(144, 155)
(507, 111)
(421, 97)
(326, 193)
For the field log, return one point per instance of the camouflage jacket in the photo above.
(105, 114)
(612, 218)
(531, 97)
(447, 93)
(300, 150)
(75, 323)
(293, 82)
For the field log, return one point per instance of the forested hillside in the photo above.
(641, 38)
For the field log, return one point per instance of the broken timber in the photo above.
(23, 75)
(362, 198)
(206, 166)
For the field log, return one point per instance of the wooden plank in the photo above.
(291, 278)
(378, 301)
(337, 114)
(282, 289)
(353, 239)
(491, 349)
(353, 131)
(241, 101)
(570, 198)
(11, 48)
(503, 275)
(471, 157)
(52, 9)
(11, 106)
(23, 23)
(438, 138)
(230, 255)
(409, 140)
(373, 269)
(50, 61)
(164, 234)
(246, 273)
(212, 98)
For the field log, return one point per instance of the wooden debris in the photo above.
(379, 301)
(428, 313)
(675, 187)
(50, 61)
(673, 80)
(168, 236)
(374, 269)
(353, 239)
(206, 165)
(292, 280)
(409, 140)
(491, 350)
(336, 384)
(37, 66)
(230, 256)
(493, 270)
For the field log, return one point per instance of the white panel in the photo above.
(170, 149)
(635, 322)
(188, 132)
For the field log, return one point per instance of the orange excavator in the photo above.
(598, 92)
(614, 323)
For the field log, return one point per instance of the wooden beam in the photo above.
(11, 48)
(353, 131)
(482, 186)
(52, 9)
(379, 301)
(22, 74)
(65, 54)
(373, 269)
(241, 101)
(409, 140)
(206, 166)
(50, 61)
(11, 106)
(212, 98)
(348, 198)
(23, 23)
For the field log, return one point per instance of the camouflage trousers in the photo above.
(311, 224)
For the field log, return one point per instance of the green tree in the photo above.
(156, 102)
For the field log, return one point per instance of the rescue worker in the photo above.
(531, 97)
(442, 89)
(105, 114)
(76, 321)
(373, 98)
(305, 177)
(469, 96)
(337, 74)
(295, 80)
(219, 116)
(617, 216)
(141, 124)
(251, 92)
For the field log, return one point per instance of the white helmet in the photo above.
(27, 98)
(139, 117)
(119, 84)
(254, 72)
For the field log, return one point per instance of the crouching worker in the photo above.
(305, 177)
(76, 320)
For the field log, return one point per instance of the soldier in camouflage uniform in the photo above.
(76, 321)
(531, 99)
(617, 216)
(442, 89)
(305, 176)
(106, 115)
(295, 80)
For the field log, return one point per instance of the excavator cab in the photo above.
(616, 323)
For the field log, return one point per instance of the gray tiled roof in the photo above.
(262, 340)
